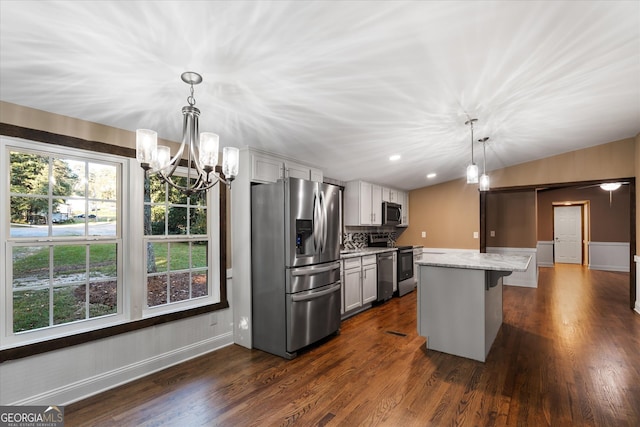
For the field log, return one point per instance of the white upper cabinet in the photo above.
(363, 203)
(270, 168)
(266, 168)
(403, 200)
(390, 195)
(372, 215)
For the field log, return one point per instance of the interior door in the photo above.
(567, 234)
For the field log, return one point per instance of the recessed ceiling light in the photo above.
(431, 175)
(394, 157)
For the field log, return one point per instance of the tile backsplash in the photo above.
(360, 239)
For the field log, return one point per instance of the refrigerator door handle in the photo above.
(314, 295)
(317, 222)
(323, 230)
(305, 271)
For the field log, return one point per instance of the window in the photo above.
(64, 247)
(177, 244)
(76, 230)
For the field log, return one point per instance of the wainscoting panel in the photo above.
(609, 256)
(529, 278)
(545, 253)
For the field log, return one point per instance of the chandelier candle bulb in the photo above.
(209, 149)
(162, 159)
(146, 146)
(230, 162)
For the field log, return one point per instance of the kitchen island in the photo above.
(460, 300)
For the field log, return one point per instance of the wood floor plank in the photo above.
(567, 354)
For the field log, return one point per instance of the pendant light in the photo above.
(472, 169)
(484, 178)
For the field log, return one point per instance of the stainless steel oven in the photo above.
(406, 282)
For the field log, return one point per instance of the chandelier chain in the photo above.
(190, 99)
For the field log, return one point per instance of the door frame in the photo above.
(585, 226)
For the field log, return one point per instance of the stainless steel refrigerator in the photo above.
(295, 252)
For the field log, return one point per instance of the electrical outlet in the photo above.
(493, 233)
(424, 234)
(213, 319)
(475, 235)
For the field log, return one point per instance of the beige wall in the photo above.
(612, 160)
(450, 211)
(447, 212)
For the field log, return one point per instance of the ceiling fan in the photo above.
(609, 186)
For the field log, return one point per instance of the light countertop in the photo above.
(352, 253)
(476, 261)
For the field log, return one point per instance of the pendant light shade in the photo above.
(472, 174)
(484, 179)
(484, 182)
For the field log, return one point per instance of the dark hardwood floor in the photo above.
(568, 354)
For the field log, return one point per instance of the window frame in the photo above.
(213, 242)
(135, 319)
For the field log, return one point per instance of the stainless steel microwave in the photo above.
(391, 213)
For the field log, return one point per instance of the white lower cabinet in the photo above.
(359, 282)
(351, 289)
(369, 278)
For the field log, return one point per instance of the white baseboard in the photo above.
(528, 278)
(97, 384)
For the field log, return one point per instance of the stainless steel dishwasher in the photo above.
(386, 272)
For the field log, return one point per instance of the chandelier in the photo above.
(202, 151)
(472, 169)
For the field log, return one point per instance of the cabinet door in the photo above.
(317, 175)
(376, 204)
(366, 215)
(295, 170)
(369, 283)
(352, 289)
(385, 194)
(403, 200)
(265, 169)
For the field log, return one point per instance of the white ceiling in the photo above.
(341, 85)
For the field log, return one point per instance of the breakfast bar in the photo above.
(460, 300)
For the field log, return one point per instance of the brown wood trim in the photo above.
(84, 337)
(632, 243)
(64, 140)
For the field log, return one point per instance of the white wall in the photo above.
(64, 376)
